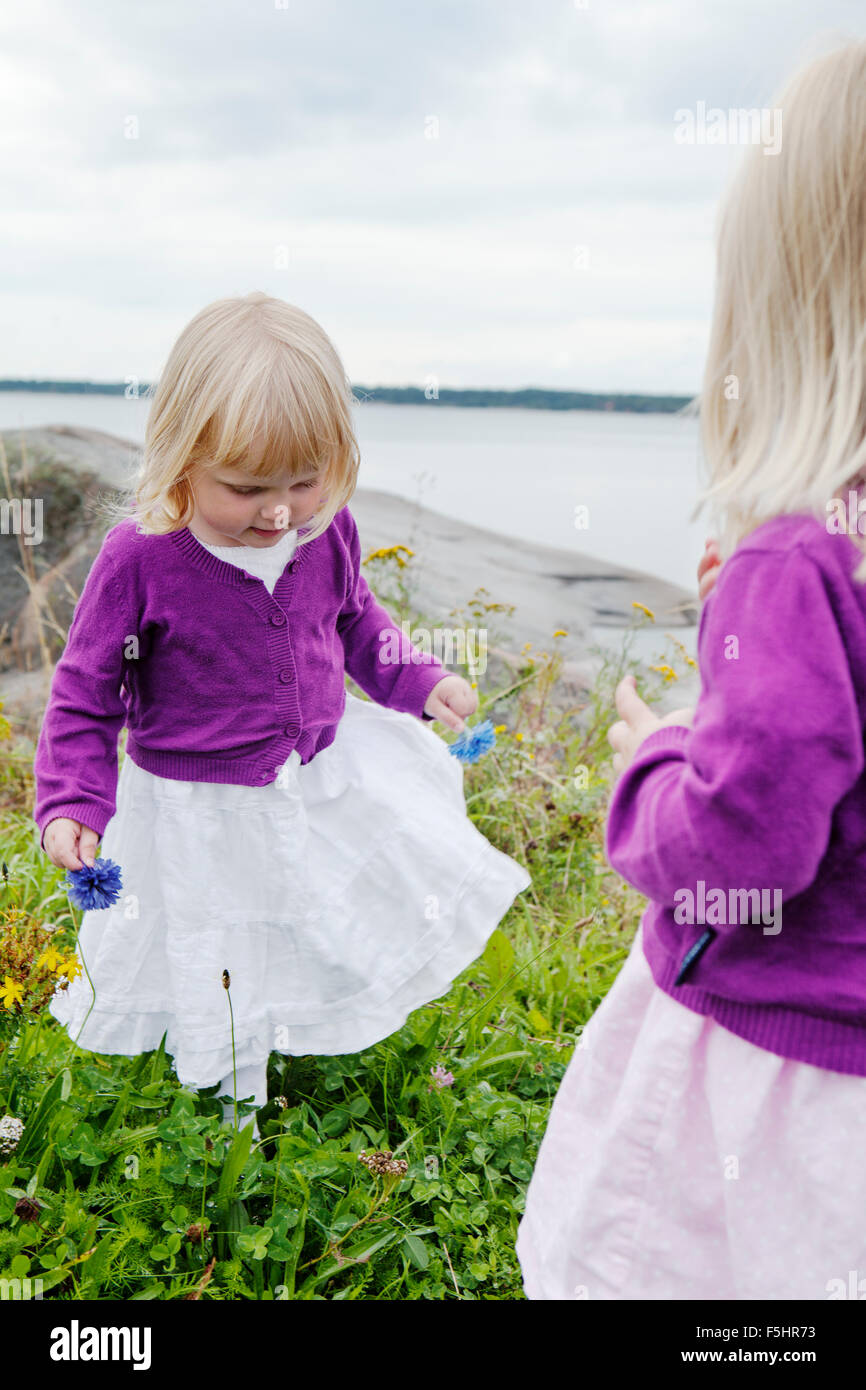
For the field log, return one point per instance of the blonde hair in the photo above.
(789, 320)
(244, 368)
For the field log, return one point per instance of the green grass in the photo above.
(125, 1185)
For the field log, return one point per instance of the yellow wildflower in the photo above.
(667, 671)
(385, 552)
(49, 957)
(560, 632)
(643, 608)
(69, 967)
(11, 992)
(688, 659)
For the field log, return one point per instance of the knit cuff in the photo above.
(424, 677)
(669, 737)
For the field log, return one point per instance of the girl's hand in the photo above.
(637, 723)
(708, 569)
(451, 701)
(66, 839)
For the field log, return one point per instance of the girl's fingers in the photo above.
(60, 843)
(628, 703)
(87, 845)
(437, 707)
(616, 733)
(680, 716)
(68, 843)
(63, 851)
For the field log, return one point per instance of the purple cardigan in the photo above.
(216, 679)
(766, 791)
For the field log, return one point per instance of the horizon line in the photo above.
(550, 397)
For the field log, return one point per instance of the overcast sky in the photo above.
(162, 154)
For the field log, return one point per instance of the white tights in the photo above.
(252, 1081)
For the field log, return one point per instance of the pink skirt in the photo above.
(682, 1162)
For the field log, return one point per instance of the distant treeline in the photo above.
(530, 398)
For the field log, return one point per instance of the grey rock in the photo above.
(521, 592)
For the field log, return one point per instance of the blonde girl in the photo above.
(299, 871)
(707, 1139)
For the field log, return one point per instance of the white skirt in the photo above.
(340, 897)
(681, 1161)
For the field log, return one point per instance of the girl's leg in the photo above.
(252, 1081)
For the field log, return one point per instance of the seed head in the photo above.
(10, 1133)
(382, 1161)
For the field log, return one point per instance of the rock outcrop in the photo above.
(460, 573)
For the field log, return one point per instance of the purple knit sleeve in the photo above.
(377, 655)
(75, 766)
(744, 799)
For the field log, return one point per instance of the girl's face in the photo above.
(234, 508)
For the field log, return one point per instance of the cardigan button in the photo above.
(278, 619)
(286, 676)
(290, 730)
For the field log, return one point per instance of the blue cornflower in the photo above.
(94, 887)
(472, 743)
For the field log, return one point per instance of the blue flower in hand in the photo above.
(94, 887)
(472, 743)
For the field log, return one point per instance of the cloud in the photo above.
(417, 176)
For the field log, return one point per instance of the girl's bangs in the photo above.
(301, 436)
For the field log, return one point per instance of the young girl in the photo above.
(267, 823)
(707, 1140)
